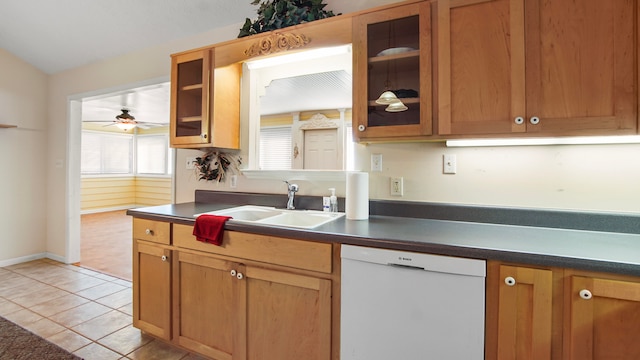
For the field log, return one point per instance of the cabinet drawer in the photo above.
(299, 254)
(149, 230)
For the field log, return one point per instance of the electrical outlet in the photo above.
(397, 186)
(376, 162)
(449, 165)
(190, 161)
(233, 181)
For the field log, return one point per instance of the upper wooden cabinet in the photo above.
(548, 67)
(392, 51)
(205, 101)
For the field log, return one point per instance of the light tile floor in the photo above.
(83, 311)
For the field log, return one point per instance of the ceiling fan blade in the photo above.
(151, 124)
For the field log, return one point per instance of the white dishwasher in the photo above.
(398, 305)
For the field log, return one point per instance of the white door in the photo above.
(321, 149)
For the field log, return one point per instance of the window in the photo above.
(275, 148)
(106, 153)
(152, 155)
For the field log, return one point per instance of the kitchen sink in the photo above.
(305, 219)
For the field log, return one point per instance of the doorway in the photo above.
(99, 231)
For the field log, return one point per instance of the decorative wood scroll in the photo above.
(318, 121)
(277, 42)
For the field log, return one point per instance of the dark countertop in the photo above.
(605, 251)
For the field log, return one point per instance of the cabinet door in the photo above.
(524, 314)
(604, 319)
(553, 67)
(190, 87)
(392, 51)
(152, 289)
(481, 59)
(581, 67)
(288, 315)
(206, 314)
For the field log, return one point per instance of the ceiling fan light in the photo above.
(387, 98)
(126, 126)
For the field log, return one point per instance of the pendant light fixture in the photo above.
(397, 106)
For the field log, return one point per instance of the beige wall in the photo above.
(23, 160)
(576, 177)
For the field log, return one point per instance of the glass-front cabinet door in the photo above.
(190, 84)
(392, 73)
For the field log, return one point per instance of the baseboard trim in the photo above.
(57, 258)
(22, 259)
(95, 211)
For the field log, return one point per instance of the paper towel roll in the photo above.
(357, 196)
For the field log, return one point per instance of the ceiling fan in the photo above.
(126, 122)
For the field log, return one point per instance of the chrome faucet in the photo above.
(292, 190)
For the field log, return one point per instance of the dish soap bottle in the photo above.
(326, 203)
(333, 200)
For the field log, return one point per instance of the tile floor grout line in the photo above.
(65, 327)
(142, 346)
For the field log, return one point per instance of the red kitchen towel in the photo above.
(209, 228)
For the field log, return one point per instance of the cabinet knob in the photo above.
(233, 273)
(240, 276)
(519, 120)
(534, 120)
(203, 136)
(164, 258)
(510, 281)
(148, 232)
(585, 294)
(361, 127)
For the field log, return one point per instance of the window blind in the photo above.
(275, 148)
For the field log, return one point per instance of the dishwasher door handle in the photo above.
(411, 267)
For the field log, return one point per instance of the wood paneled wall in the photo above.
(102, 194)
(152, 191)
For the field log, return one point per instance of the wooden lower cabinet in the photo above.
(152, 288)
(288, 316)
(602, 317)
(521, 313)
(560, 313)
(206, 312)
(228, 310)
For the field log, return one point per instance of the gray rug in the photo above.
(17, 343)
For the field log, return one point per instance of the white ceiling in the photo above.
(56, 35)
(146, 104)
(326, 90)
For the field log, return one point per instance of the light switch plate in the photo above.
(190, 161)
(449, 165)
(376, 162)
